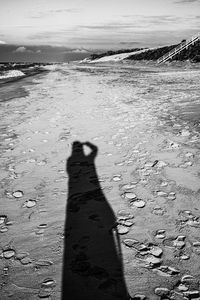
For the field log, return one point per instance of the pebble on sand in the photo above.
(153, 261)
(43, 225)
(161, 194)
(158, 210)
(156, 251)
(160, 291)
(5, 271)
(172, 194)
(164, 183)
(8, 253)
(139, 297)
(21, 255)
(174, 145)
(184, 257)
(130, 195)
(188, 163)
(45, 292)
(42, 163)
(167, 271)
(160, 234)
(161, 164)
(171, 197)
(187, 278)
(189, 154)
(179, 242)
(182, 287)
(130, 242)
(4, 229)
(124, 215)
(43, 263)
(128, 186)
(193, 223)
(149, 164)
(8, 194)
(48, 282)
(196, 244)
(31, 160)
(127, 223)
(26, 261)
(185, 132)
(192, 294)
(18, 194)
(139, 203)
(122, 229)
(29, 203)
(39, 232)
(117, 178)
(3, 219)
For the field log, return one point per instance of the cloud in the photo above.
(48, 35)
(2, 43)
(112, 26)
(22, 49)
(153, 20)
(47, 13)
(143, 38)
(130, 43)
(139, 29)
(78, 50)
(186, 1)
(134, 22)
(68, 10)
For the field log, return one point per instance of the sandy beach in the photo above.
(144, 121)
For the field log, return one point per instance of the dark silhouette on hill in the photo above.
(191, 53)
(93, 268)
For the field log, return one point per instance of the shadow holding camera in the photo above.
(92, 268)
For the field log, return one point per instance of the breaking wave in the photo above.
(11, 73)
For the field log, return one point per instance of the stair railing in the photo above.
(179, 48)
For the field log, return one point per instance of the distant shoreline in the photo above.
(15, 87)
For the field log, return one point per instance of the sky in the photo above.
(84, 26)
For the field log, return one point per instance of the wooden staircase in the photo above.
(179, 48)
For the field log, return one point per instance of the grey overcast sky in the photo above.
(102, 24)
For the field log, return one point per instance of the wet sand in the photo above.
(144, 121)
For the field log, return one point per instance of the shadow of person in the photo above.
(92, 266)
